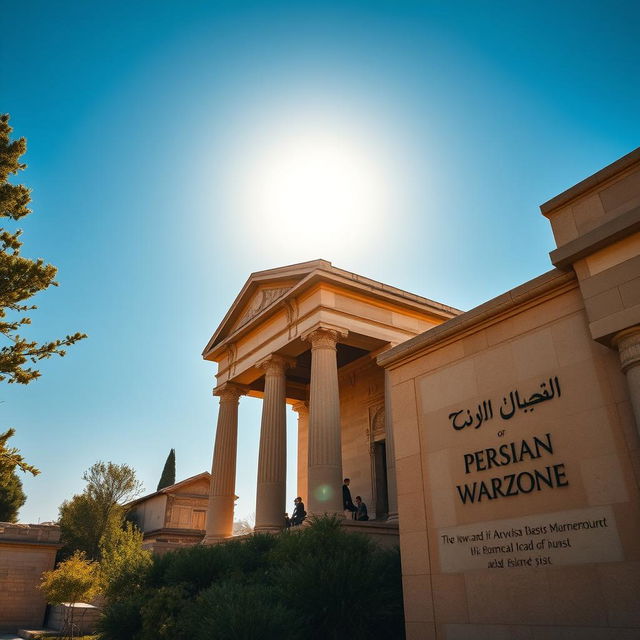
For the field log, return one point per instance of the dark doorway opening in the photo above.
(380, 470)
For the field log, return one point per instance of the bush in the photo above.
(236, 611)
(161, 614)
(121, 620)
(339, 584)
(195, 567)
(311, 582)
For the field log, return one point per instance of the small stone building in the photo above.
(26, 550)
(174, 516)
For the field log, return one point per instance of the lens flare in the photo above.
(323, 493)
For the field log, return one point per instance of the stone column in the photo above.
(223, 470)
(272, 459)
(392, 487)
(628, 343)
(302, 409)
(325, 442)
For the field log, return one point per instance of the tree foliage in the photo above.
(10, 456)
(98, 511)
(20, 277)
(83, 524)
(75, 580)
(110, 484)
(168, 476)
(12, 496)
(124, 562)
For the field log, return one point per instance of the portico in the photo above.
(308, 335)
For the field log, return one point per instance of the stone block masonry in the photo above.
(26, 550)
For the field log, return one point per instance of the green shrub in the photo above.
(316, 582)
(339, 584)
(195, 568)
(237, 611)
(122, 620)
(161, 612)
(124, 563)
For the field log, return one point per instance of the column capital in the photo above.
(229, 392)
(275, 364)
(301, 408)
(628, 344)
(323, 336)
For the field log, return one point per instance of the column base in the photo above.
(210, 540)
(268, 529)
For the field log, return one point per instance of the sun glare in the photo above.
(324, 189)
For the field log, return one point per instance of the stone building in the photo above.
(503, 441)
(517, 444)
(308, 335)
(174, 516)
(26, 550)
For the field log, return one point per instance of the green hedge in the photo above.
(315, 582)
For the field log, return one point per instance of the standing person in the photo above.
(299, 514)
(347, 502)
(361, 513)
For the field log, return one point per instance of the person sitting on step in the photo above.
(361, 513)
(299, 514)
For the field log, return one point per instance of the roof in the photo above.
(174, 488)
(265, 291)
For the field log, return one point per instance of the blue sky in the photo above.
(144, 123)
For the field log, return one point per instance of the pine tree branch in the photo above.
(10, 457)
(20, 277)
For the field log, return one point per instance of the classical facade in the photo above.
(308, 335)
(504, 441)
(174, 516)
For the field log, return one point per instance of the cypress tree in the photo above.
(168, 476)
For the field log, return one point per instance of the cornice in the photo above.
(592, 183)
(321, 271)
(514, 301)
(30, 544)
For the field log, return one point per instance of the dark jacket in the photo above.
(299, 514)
(362, 512)
(347, 502)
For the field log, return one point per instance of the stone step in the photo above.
(35, 633)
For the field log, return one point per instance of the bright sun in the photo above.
(324, 189)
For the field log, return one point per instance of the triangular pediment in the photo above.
(263, 297)
(261, 292)
(195, 484)
(267, 291)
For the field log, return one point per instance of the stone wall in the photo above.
(516, 430)
(517, 553)
(361, 405)
(26, 550)
(85, 617)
